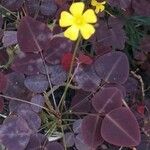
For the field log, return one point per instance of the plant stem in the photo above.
(8, 11)
(64, 141)
(49, 80)
(70, 71)
(24, 101)
(3, 116)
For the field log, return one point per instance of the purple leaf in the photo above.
(112, 67)
(39, 100)
(12, 5)
(120, 87)
(79, 143)
(36, 83)
(107, 99)
(58, 47)
(15, 86)
(14, 106)
(48, 7)
(33, 36)
(15, 133)
(100, 48)
(77, 126)
(37, 141)
(9, 38)
(32, 119)
(69, 139)
(123, 122)
(111, 33)
(27, 64)
(58, 75)
(80, 102)
(54, 146)
(32, 6)
(120, 3)
(24, 106)
(86, 78)
(3, 82)
(91, 130)
(141, 7)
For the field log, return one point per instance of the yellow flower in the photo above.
(99, 5)
(78, 22)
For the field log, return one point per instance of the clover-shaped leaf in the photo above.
(33, 36)
(112, 67)
(120, 128)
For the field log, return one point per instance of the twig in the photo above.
(125, 104)
(49, 80)
(64, 141)
(24, 101)
(110, 14)
(141, 82)
(8, 11)
(58, 86)
(1, 115)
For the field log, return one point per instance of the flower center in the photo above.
(79, 20)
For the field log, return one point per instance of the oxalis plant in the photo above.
(74, 75)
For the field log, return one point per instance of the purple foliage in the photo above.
(13, 5)
(126, 127)
(9, 38)
(33, 36)
(112, 67)
(36, 83)
(15, 133)
(107, 99)
(39, 100)
(91, 130)
(106, 102)
(27, 64)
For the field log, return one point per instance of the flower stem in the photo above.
(69, 74)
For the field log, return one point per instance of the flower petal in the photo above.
(77, 8)
(87, 30)
(101, 7)
(72, 33)
(66, 19)
(94, 3)
(103, 3)
(97, 10)
(89, 16)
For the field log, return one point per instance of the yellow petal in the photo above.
(89, 16)
(94, 3)
(66, 19)
(103, 3)
(97, 10)
(87, 30)
(72, 33)
(77, 8)
(101, 8)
